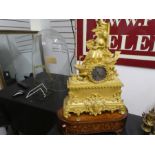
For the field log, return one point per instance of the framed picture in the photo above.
(2, 81)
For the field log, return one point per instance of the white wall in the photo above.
(14, 24)
(139, 88)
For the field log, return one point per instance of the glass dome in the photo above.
(50, 57)
(50, 53)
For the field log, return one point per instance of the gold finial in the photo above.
(100, 22)
(101, 34)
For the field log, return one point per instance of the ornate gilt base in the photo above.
(93, 105)
(92, 98)
(90, 124)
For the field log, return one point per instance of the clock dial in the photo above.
(99, 73)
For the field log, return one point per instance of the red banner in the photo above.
(135, 38)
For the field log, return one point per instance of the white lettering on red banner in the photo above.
(135, 38)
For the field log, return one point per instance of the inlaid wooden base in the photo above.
(90, 124)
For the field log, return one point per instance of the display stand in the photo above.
(89, 124)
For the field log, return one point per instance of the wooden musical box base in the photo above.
(90, 124)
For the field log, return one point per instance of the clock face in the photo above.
(99, 73)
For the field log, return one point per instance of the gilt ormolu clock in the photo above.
(94, 101)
